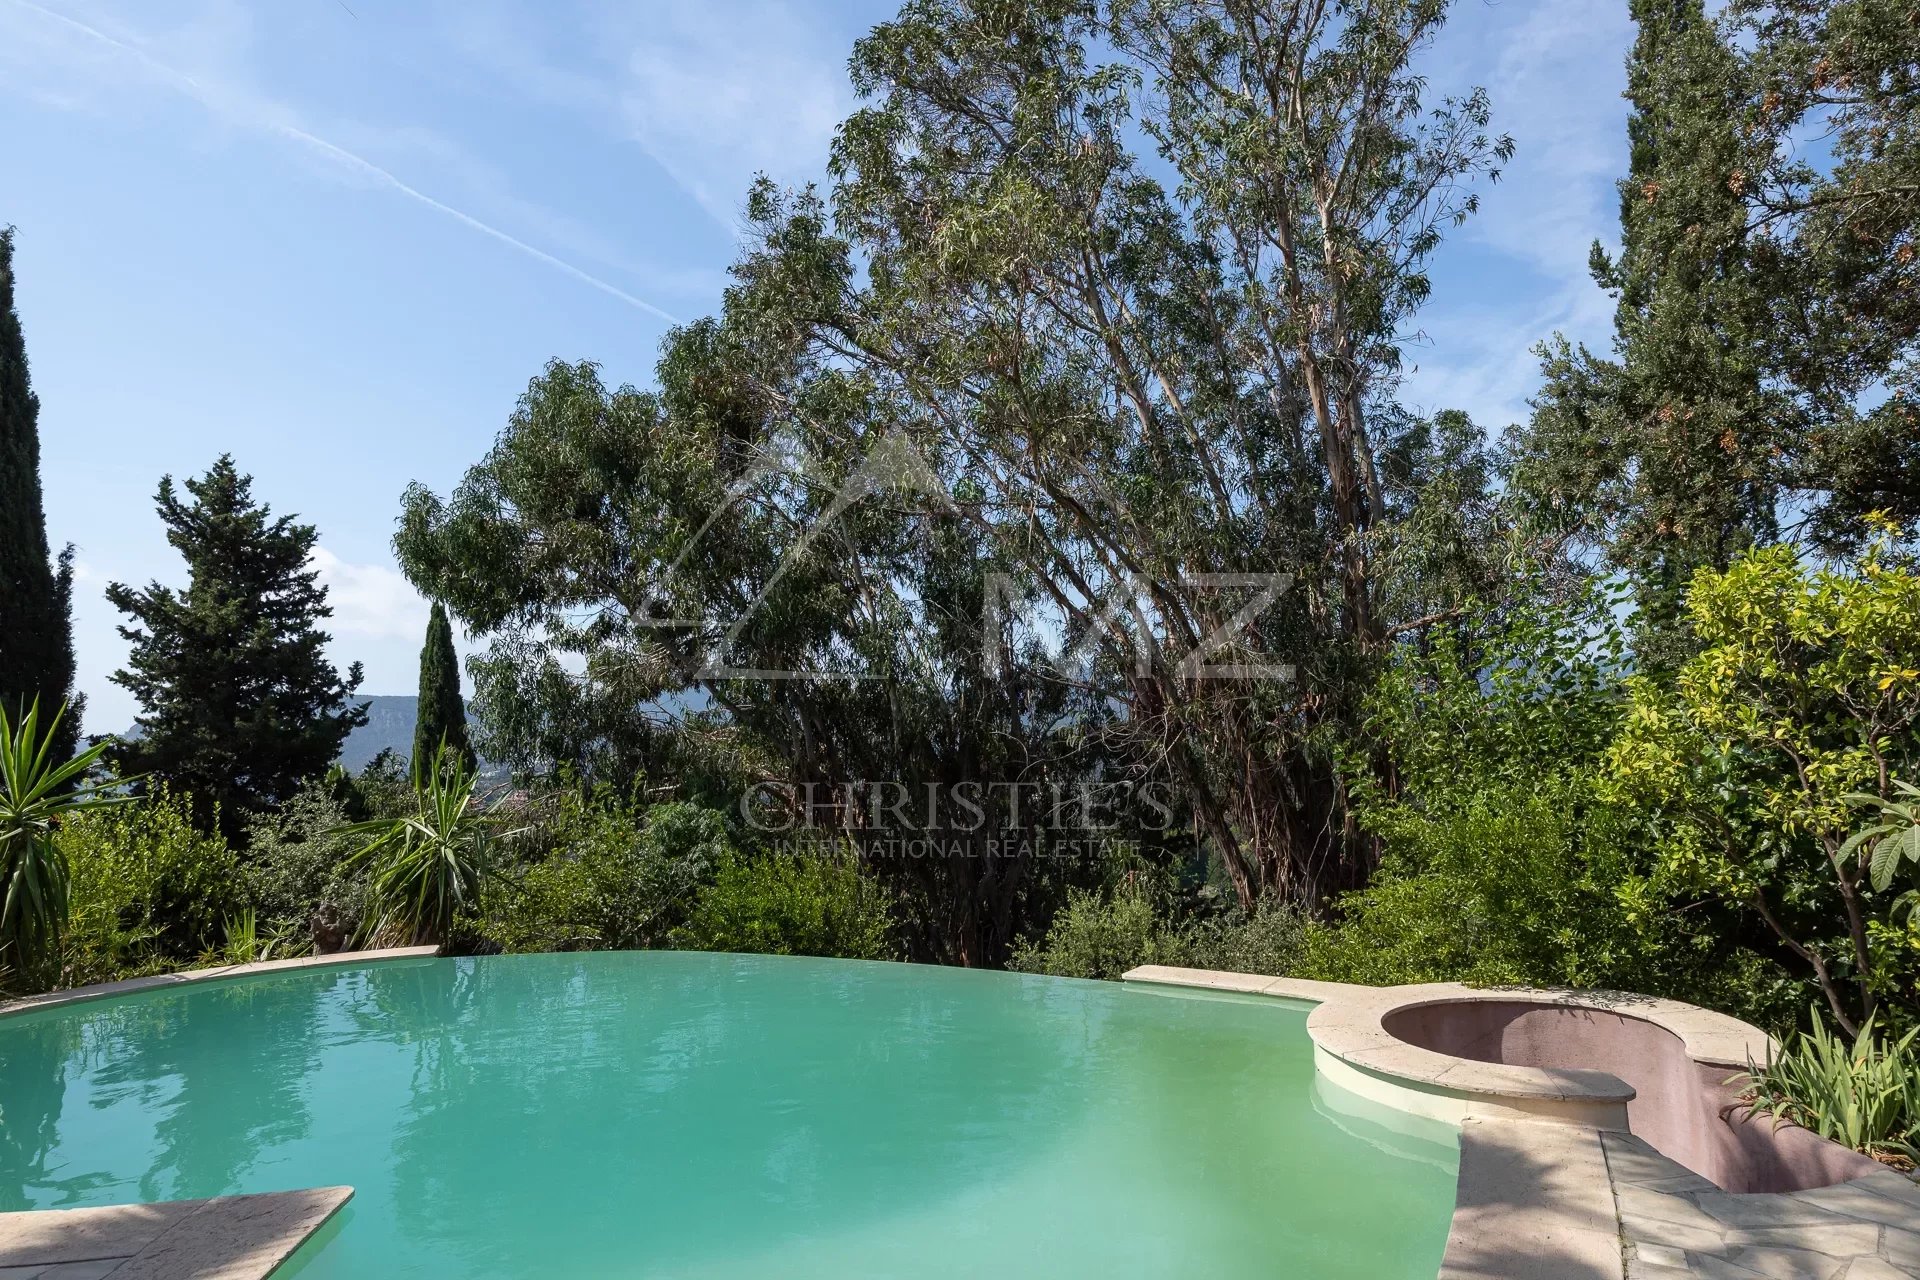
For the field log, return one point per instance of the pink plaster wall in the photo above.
(1680, 1106)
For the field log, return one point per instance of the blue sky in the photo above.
(337, 237)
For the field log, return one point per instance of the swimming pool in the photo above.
(717, 1117)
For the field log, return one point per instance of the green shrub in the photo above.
(1799, 709)
(1865, 1095)
(1501, 885)
(792, 904)
(1101, 936)
(299, 863)
(1273, 941)
(149, 891)
(615, 877)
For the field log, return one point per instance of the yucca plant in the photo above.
(1864, 1095)
(37, 792)
(428, 865)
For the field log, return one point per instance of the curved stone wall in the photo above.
(1686, 1109)
(1670, 1064)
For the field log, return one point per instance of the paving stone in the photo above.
(46, 1236)
(1791, 1264)
(1715, 1267)
(236, 1237)
(1763, 1210)
(1862, 1203)
(1878, 1269)
(1533, 1204)
(1901, 1246)
(1891, 1183)
(82, 1270)
(1838, 1239)
(1632, 1159)
(1658, 1255)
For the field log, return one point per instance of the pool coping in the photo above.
(1552, 1186)
(213, 973)
(243, 1237)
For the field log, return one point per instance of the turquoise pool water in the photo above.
(711, 1117)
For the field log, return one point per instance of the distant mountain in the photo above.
(389, 727)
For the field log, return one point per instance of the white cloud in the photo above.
(1555, 70)
(713, 91)
(716, 92)
(371, 601)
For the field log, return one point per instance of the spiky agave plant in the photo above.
(428, 865)
(37, 792)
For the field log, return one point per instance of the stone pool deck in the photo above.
(1546, 1194)
(223, 1238)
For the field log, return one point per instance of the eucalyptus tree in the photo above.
(1168, 401)
(1011, 386)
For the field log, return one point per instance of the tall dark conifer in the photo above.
(238, 701)
(442, 715)
(36, 592)
(1670, 447)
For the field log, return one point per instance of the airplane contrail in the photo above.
(206, 98)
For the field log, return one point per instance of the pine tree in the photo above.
(36, 594)
(442, 714)
(239, 703)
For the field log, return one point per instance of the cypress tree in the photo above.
(36, 593)
(238, 702)
(442, 714)
(1671, 449)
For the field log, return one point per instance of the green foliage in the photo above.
(1865, 1095)
(1508, 857)
(1099, 935)
(1767, 326)
(1892, 840)
(150, 891)
(36, 594)
(245, 943)
(807, 904)
(442, 714)
(40, 792)
(1804, 693)
(239, 704)
(299, 861)
(1069, 322)
(617, 876)
(428, 866)
(1273, 940)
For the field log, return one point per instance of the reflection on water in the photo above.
(657, 1114)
